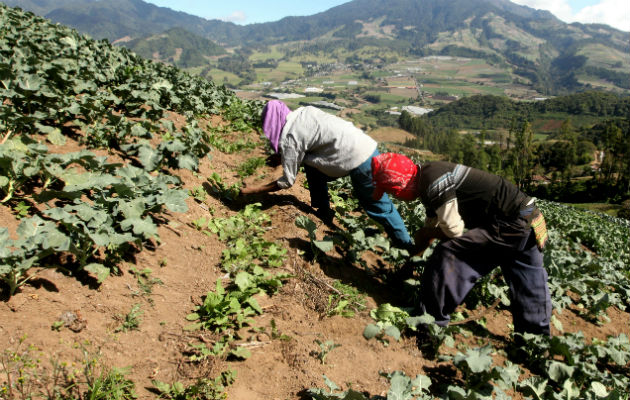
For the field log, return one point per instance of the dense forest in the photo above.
(585, 163)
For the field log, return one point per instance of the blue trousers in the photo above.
(382, 211)
(457, 264)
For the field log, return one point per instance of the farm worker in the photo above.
(328, 147)
(504, 228)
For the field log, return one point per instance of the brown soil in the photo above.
(186, 262)
(391, 135)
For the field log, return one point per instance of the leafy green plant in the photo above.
(275, 334)
(345, 301)
(222, 310)
(198, 193)
(110, 384)
(324, 349)
(249, 166)
(247, 247)
(317, 246)
(220, 139)
(223, 347)
(131, 320)
(390, 321)
(202, 389)
(145, 280)
(401, 387)
(26, 376)
(222, 190)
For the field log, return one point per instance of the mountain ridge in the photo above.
(546, 53)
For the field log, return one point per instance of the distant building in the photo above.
(323, 104)
(417, 110)
(353, 83)
(444, 98)
(283, 96)
(313, 90)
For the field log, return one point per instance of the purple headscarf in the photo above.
(274, 116)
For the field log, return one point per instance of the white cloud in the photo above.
(615, 13)
(236, 17)
(559, 8)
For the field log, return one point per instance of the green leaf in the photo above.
(87, 180)
(599, 389)
(241, 353)
(534, 386)
(306, 223)
(324, 245)
(56, 240)
(53, 135)
(99, 271)
(371, 330)
(478, 359)
(399, 388)
(392, 331)
(163, 388)
(186, 161)
(134, 208)
(175, 200)
(244, 280)
(148, 157)
(560, 372)
(141, 227)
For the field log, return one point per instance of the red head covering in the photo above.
(395, 174)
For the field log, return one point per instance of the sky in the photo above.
(615, 13)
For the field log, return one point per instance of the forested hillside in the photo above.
(573, 132)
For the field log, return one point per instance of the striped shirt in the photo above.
(456, 196)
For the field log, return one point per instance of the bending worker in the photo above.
(329, 147)
(504, 228)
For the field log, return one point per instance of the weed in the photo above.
(27, 377)
(250, 166)
(130, 321)
(345, 301)
(224, 191)
(21, 210)
(276, 335)
(109, 385)
(199, 193)
(324, 349)
(145, 281)
(202, 389)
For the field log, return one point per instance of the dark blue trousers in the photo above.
(382, 211)
(457, 264)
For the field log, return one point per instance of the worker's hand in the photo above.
(422, 239)
(245, 190)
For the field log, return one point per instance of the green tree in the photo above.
(522, 156)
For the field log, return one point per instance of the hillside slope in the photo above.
(129, 263)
